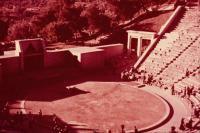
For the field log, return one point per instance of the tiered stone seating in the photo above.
(192, 80)
(187, 60)
(177, 53)
(174, 64)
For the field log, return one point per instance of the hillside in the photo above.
(66, 20)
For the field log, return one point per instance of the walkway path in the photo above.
(180, 107)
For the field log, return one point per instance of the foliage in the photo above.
(57, 31)
(20, 30)
(60, 20)
(3, 29)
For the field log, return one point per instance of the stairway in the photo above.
(177, 52)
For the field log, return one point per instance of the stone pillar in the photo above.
(129, 44)
(139, 46)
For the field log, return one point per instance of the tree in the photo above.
(3, 29)
(96, 20)
(57, 31)
(20, 30)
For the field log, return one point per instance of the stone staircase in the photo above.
(177, 53)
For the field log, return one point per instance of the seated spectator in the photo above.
(187, 73)
(150, 79)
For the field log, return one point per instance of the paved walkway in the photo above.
(180, 107)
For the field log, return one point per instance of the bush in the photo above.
(20, 30)
(57, 31)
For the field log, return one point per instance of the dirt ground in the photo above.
(97, 104)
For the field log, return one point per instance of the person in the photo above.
(122, 129)
(54, 119)
(150, 79)
(109, 131)
(192, 90)
(94, 131)
(182, 126)
(143, 78)
(185, 92)
(160, 82)
(187, 73)
(173, 130)
(1, 49)
(189, 124)
(196, 112)
(122, 75)
(172, 90)
(65, 130)
(21, 118)
(40, 114)
(131, 76)
(188, 92)
(136, 130)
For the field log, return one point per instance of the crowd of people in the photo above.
(185, 92)
(27, 123)
(30, 123)
(59, 126)
(135, 75)
(193, 122)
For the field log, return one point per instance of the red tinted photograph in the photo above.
(99, 66)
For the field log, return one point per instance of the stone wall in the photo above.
(10, 66)
(112, 50)
(59, 59)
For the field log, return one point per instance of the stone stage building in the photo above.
(31, 55)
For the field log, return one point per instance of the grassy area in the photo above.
(151, 21)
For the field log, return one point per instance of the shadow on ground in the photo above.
(36, 123)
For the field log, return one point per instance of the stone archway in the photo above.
(142, 37)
